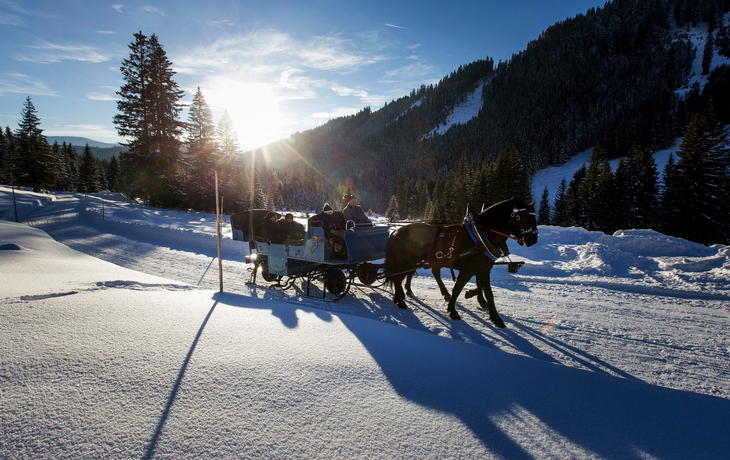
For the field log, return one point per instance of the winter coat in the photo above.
(273, 232)
(356, 215)
(293, 229)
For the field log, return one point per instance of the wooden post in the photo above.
(218, 232)
(12, 187)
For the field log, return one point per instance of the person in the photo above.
(291, 229)
(270, 229)
(334, 230)
(354, 212)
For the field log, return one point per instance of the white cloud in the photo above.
(409, 73)
(105, 32)
(118, 7)
(220, 23)
(152, 9)
(101, 97)
(8, 19)
(17, 83)
(47, 52)
(395, 26)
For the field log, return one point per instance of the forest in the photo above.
(608, 80)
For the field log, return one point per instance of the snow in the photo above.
(463, 112)
(117, 344)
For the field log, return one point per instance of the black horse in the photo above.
(410, 246)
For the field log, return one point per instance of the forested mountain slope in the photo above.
(610, 75)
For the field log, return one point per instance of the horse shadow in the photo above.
(523, 408)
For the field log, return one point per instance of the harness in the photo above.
(480, 240)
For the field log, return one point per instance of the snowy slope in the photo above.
(615, 347)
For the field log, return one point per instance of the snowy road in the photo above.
(655, 333)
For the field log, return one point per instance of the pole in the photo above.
(218, 232)
(12, 187)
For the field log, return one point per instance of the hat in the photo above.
(269, 215)
(348, 197)
(327, 208)
(288, 215)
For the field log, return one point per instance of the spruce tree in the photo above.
(148, 116)
(645, 212)
(701, 181)
(88, 172)
(576, 208)
(392, 213)
(227, 136)
(33, 163)
(202, 155)
(671, 217)
(544, 213)
(561, 207)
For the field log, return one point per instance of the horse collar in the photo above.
(478, 237)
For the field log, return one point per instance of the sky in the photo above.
(277, 67)
(116, 343)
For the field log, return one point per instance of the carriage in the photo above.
(327, 273)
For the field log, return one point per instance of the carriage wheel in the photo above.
(367, 274)
(335, 281)
(265, 273)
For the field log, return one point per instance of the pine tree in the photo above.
(88, 173)
(543, 214)
(645, 209)
(202, 155)
(149, 116)
(392, 213)
(561, 211)
(511, 176)
(701, 182)
(34, 164)
(671, 198)
(112, 173)
(576, 209)
(227, 136)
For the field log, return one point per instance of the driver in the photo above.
(354, 212)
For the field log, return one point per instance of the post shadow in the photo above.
(150, 451)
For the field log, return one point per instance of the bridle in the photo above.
(524, 231)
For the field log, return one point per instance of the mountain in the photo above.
(628, 74)
(79, 141)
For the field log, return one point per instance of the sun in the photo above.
(254, 109)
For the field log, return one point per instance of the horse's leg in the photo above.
(484, 286)
(471, 293)
(461, 281)
(409, 277)
(437, 274)
(399, 297)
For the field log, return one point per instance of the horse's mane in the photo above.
(497, 207)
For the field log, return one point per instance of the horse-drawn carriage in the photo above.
(477, 245)
(314, 258)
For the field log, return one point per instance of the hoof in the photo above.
(402, 305)
(471, 293)
(409, 293)
(455, 316)
(498, 322)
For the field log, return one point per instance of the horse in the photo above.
(409, 247)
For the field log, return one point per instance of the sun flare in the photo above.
(254, 109)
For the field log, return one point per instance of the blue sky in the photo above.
(277, 67)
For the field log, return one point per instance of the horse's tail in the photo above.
(391, 262)
(396, 266)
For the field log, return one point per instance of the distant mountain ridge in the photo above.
(79, 141)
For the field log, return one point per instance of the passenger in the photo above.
(334, 232)
(290, 228)
(354, 212)
(271, 230)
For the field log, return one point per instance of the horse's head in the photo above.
(523, 223)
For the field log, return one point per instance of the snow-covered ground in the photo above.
(615, 347)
